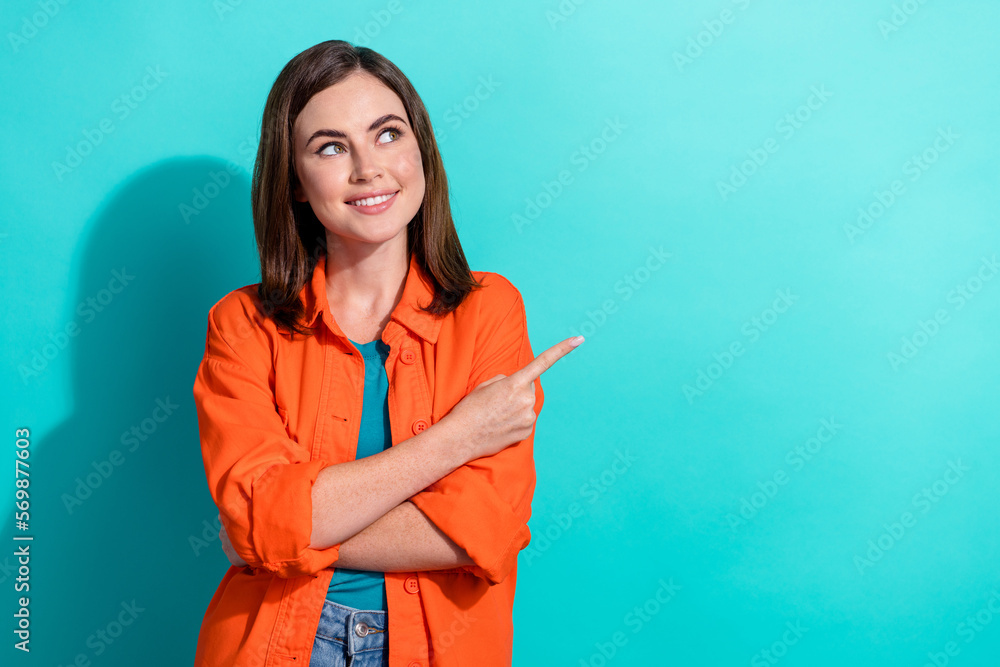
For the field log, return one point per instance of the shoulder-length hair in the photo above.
(290, 239)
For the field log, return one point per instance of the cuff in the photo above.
(468, 510)
(281, 537)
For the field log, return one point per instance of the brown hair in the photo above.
(290, 239)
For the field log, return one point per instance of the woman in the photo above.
(367, 410)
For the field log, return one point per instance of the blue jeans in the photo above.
(348, 637)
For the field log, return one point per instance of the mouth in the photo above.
(374, 204)
(374, 199)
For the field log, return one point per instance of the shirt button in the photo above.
(407, 356)
(414, 664)
(411, 585)
(420, 425)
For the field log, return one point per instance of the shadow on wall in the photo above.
(118, 489)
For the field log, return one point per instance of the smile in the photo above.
(372, 201)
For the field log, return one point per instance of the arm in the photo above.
(462, 498)
(474, 517)
(255, 472)
(262, 481)
(402, 540)
(348, 497)
(484, 505)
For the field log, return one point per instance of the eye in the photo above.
(322, 149)
(393, 131)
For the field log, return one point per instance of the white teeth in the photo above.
(371, 201)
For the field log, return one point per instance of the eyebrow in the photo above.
(337, 133)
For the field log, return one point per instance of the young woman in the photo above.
(367, 410)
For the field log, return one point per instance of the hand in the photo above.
(227, 546)
(501, 411)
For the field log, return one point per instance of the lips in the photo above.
(375, 205)
(365, 198)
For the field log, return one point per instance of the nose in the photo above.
(365, 165)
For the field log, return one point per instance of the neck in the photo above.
(366, 277)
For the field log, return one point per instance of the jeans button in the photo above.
(361, 630)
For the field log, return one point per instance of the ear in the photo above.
(298, 192)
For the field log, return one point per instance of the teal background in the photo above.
(606, 534)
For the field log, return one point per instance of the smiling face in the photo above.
(351, 140)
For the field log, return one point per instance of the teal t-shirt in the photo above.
(358, 588)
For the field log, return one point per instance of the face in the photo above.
(354, 139)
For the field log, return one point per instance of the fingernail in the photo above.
(576, 341)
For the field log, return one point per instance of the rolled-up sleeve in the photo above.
(260, 479)
(484, 505)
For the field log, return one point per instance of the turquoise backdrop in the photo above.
(775, 222)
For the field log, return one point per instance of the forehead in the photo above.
(349, 105)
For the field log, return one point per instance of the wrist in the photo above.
(448, 444)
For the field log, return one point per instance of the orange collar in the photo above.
(419, 291)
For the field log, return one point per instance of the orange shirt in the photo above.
(272, 412)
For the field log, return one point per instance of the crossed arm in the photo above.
(402, 540)
(455, 515)
(420, 505)
(363, 506)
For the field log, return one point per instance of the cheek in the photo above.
(410, 167)
(324, 182)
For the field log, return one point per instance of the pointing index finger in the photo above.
(544, 361)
